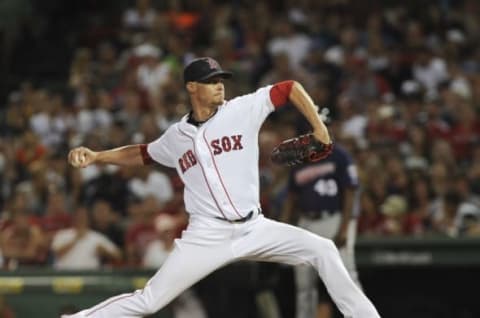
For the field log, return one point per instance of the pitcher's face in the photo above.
(211, 91)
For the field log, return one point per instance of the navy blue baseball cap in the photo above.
(203, 68)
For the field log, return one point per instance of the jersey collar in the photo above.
(196, 123)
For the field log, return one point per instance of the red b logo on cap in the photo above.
(212, 63)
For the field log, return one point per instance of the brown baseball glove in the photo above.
(301, 149)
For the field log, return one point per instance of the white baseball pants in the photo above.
(208, 244)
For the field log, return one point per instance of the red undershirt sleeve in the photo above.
(279, 93)
(145, 155)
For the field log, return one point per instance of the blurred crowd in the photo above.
(402, 86)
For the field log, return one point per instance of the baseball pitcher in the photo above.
(214, 149)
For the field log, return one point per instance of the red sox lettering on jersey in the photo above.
(226, 144)
(187, 160)
(219, 145)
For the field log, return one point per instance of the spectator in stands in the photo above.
(152, 73)
(473, 171)
(437, 126)
(98, 115)
(149, 129)
(429, 70)
(282, 70)
(22, 242)
(81, 72)
(415, 149)
(441, 153)
(147, 182)
(158, 249)
(127, 119)
(106, 184)
(362, 84)
(446, 219)
(30, 150)
(384, 128)
(458, 213)
(352, 120)
(56, 170)
(418, 220)
(465, 131)
(140, 17)
(396, 175)
(175, 207)
(48, 120)
(81, 248)
(141, 229)
(370, 218)
(85, 110)
(394, 210)
(106, 222)
(16, 115)
(128, 85)
(107, 67)
(56, 216)
(6, 170)
(288, 40)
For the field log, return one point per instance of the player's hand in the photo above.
(81, 157)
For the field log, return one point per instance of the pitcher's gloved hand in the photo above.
(301, 149)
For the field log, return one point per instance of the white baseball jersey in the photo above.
(210, 158)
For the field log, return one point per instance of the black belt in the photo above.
(241, 220)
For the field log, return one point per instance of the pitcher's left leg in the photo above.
(273, 241)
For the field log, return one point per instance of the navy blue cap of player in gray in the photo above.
(203, 68)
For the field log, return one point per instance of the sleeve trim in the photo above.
(280, 92)
(146, 158)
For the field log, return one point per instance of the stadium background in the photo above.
(402, 82)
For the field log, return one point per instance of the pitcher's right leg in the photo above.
(187, 264)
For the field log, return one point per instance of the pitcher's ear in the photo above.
(191, 87)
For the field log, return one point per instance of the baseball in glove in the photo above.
(301, 149)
